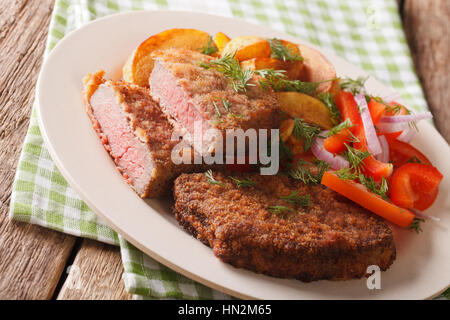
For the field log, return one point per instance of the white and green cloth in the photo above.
(366, 33)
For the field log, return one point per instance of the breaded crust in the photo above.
(332, 238)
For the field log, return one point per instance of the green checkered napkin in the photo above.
(366, 33)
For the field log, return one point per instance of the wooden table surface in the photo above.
(34, 261)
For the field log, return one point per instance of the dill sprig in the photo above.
(353, 85)
(226, 104)
(347, 124)
(236, 115)
(278, 80)
(279, 51)
(379, 189)
(415, 225)
(209, 175)
(328, 101)
(302, 171)
(355, 158)
(295, 198)
(243, 183)
(305, 131)
(280, 210)
(217, 109)
(209, 48)
(231, 68)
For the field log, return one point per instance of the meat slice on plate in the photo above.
(331, 238)
(193, 95)
(135, 132)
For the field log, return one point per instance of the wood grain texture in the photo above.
(96, 273)
(427, 27)
(31, 258)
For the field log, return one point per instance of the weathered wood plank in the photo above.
(427, 27)
(96, 273)
(31, 258)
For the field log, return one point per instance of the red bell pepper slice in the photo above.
(415, 185)
(401, 152)
(376, 110)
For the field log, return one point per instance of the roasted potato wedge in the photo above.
(317, 68)
(247, 47)
(305, 107)
(221, 40)
(139, 65)
(286, 128)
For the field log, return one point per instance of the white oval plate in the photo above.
(421, 269)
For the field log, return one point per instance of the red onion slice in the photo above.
(385, 127)
(425, 216)
(384, 155)
(371, 136)
(319, 151)
(406, 118)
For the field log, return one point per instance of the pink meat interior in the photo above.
(130, 154)
(173, 99)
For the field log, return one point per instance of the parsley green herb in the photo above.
(243, 183)
(295, 198)
(305, 131)
(210, 48)
(279, 51)
(354, 86)
(209, 175)
(231, 68)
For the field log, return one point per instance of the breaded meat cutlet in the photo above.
(135, 132)
(330, 238)
(191, 94)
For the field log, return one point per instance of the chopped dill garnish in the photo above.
(328, 101)
(352, 85)
(234, 115)
(217, 109)
(302, 171)
(304, 131)
(226, 104)
(341, 126)
(415, 225)
(209, 175)
(279, 51)
(278, 80)
(379, 189)
(210, 48)
(243, 183)
(279, 210)
(295, 198)
(231, 68)
(355, 158)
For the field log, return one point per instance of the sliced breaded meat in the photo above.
(331, 238)
(190, 93)
(135, 132)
